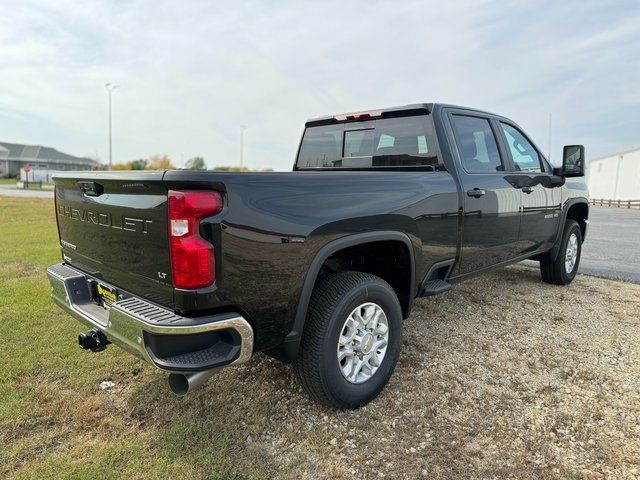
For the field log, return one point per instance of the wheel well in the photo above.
(580, 213)
(387, 259)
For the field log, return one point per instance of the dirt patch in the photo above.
(21, 269)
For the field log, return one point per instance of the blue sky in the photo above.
(192, 72)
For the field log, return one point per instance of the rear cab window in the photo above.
(382, 143)
(477, 144)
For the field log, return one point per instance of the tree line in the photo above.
(163, 162)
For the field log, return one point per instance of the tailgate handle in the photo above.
(91, 189)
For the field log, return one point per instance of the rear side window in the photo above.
(321, 147)
(477, 144)
(389, 142)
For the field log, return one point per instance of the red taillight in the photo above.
(193, 262)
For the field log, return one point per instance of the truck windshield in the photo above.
(388, 142)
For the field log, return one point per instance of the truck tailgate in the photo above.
(114, 227)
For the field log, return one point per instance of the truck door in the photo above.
(540, 200)
(491, 217)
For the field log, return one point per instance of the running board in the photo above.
(434, 287)
(434, 282)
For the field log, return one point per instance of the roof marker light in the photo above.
(345, 117)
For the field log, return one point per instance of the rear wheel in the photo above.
(564, 268)
(351, 340)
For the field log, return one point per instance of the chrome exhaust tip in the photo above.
(182, 383)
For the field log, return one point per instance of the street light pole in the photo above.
(549, 151)
(242, 129)
(110, 88)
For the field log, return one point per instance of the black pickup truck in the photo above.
(192, 271)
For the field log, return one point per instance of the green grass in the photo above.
(55, 422)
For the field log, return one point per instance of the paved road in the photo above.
(11, 191)
(612, 249)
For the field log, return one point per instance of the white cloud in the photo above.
(192, 72)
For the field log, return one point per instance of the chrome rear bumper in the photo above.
(169, 341)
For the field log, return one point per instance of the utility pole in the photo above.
(549, 150)
(110, 88)
(242, 129)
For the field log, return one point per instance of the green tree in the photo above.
(195, 163)
(139, 164)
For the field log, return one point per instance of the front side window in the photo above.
(388, 142)
(525, 156)
(477, 144)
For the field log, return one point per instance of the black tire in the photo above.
(317, 366)
(555, 271)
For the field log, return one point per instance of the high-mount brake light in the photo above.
(358, 116)
(192, 257)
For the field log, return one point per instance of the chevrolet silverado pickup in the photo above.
(192, 271)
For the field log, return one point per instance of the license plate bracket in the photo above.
(106, 295)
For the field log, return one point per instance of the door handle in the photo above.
(527, 189)
(476, 192)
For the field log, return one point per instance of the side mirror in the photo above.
(572, 161)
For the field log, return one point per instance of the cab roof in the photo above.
(389, 112)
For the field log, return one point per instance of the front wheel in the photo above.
(564, 268)
(351, 340)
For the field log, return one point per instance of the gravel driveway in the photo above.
(502, 377)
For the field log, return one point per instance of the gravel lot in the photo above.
(491, 384)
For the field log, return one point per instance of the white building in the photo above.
(616, 177)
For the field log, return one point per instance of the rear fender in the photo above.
(288, 351)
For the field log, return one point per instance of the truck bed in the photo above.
(270, 229)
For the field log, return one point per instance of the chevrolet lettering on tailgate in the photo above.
(108, 220)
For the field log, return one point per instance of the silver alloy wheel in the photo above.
(363, 342)
(571, 254)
